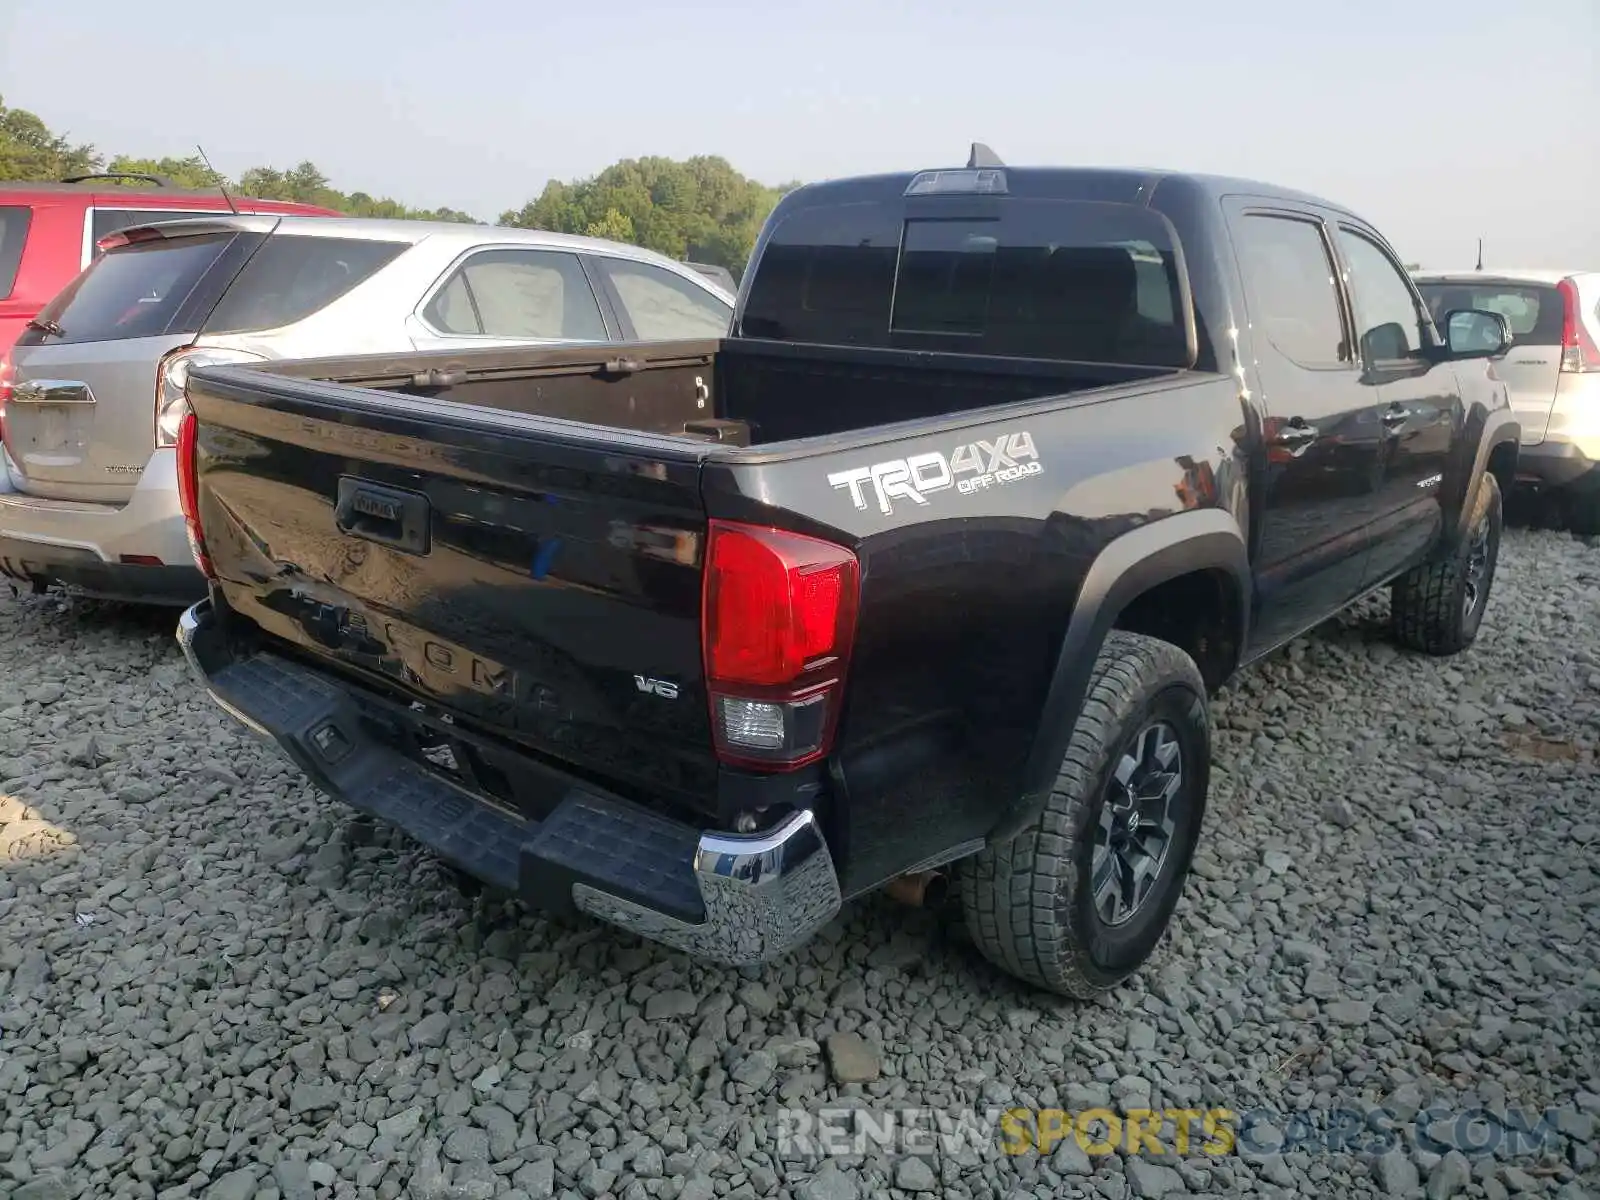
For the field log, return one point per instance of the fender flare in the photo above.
(1142, 558)
(1500, 427)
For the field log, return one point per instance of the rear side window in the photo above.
(293, 276)
(14, 222)
(138, 290)
(1533, 312)
(1057, 279)
(663, 306)
(518, 294)
(1291, 285)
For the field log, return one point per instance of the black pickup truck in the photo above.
(926, 572)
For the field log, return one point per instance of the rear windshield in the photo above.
(291, 277)
(138, 290)
(1533, 311)
(14, 220)
(1056, 279)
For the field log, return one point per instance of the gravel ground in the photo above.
(215, 983)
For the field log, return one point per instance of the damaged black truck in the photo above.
(931, 566)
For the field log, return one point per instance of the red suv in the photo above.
(48, 232)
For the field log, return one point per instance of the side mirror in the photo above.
(1473, 333)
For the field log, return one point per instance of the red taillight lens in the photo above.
(779, 613)
(189, 493)
(1578, 350)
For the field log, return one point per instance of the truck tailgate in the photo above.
(520, 574)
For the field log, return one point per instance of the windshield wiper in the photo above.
(49, 327)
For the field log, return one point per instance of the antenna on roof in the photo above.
(221, 187)
(982, 156)
(1479, 267)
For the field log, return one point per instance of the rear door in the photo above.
(1531, 368)
(80, 424)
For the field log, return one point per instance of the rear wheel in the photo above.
(1080, 900)
(1436, 607)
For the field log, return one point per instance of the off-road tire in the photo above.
(1028, 901)
(1428, 606)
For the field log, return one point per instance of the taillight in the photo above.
(779, 617)
(172, 377)
(189, 493)
(1578, 350)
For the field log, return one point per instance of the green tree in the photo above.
(700, 208)
(190, 172)
(306, 184)
(29, 151)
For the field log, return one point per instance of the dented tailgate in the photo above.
(543, 587)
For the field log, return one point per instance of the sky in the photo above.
(1438, 123)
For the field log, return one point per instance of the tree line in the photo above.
(700, 209)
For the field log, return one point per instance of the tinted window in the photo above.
(662, 306)
(519, 294)
(1037, 278)
(109, 220)
(293, 276)
(14, 221)
(1388, 325)
(1294, 298)
(1533, 312)
(133, 291)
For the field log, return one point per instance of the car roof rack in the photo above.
(982, 156)
(157, 180)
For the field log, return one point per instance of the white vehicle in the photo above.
(1552, 370)
(90, 413)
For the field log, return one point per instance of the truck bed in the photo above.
(761, 393)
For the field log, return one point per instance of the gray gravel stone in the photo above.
(829, 1183)
(1449, 1176)
(1153, 1179)
(914, 1175)
(1396, 1174)
(852, 1059)
(235, 1185)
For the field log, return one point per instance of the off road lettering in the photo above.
(971, 467)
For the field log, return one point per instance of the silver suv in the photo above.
(88, 487)
(1552, 370)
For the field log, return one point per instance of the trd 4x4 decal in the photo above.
(971, 467)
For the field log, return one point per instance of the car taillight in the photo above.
(1578, 350)
(172, 377)
(189, 493)
(779, 618)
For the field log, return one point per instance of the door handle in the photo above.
(1396, 416)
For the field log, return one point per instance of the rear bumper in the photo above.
(726, 897)
(1557, 463)
(87, 545)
